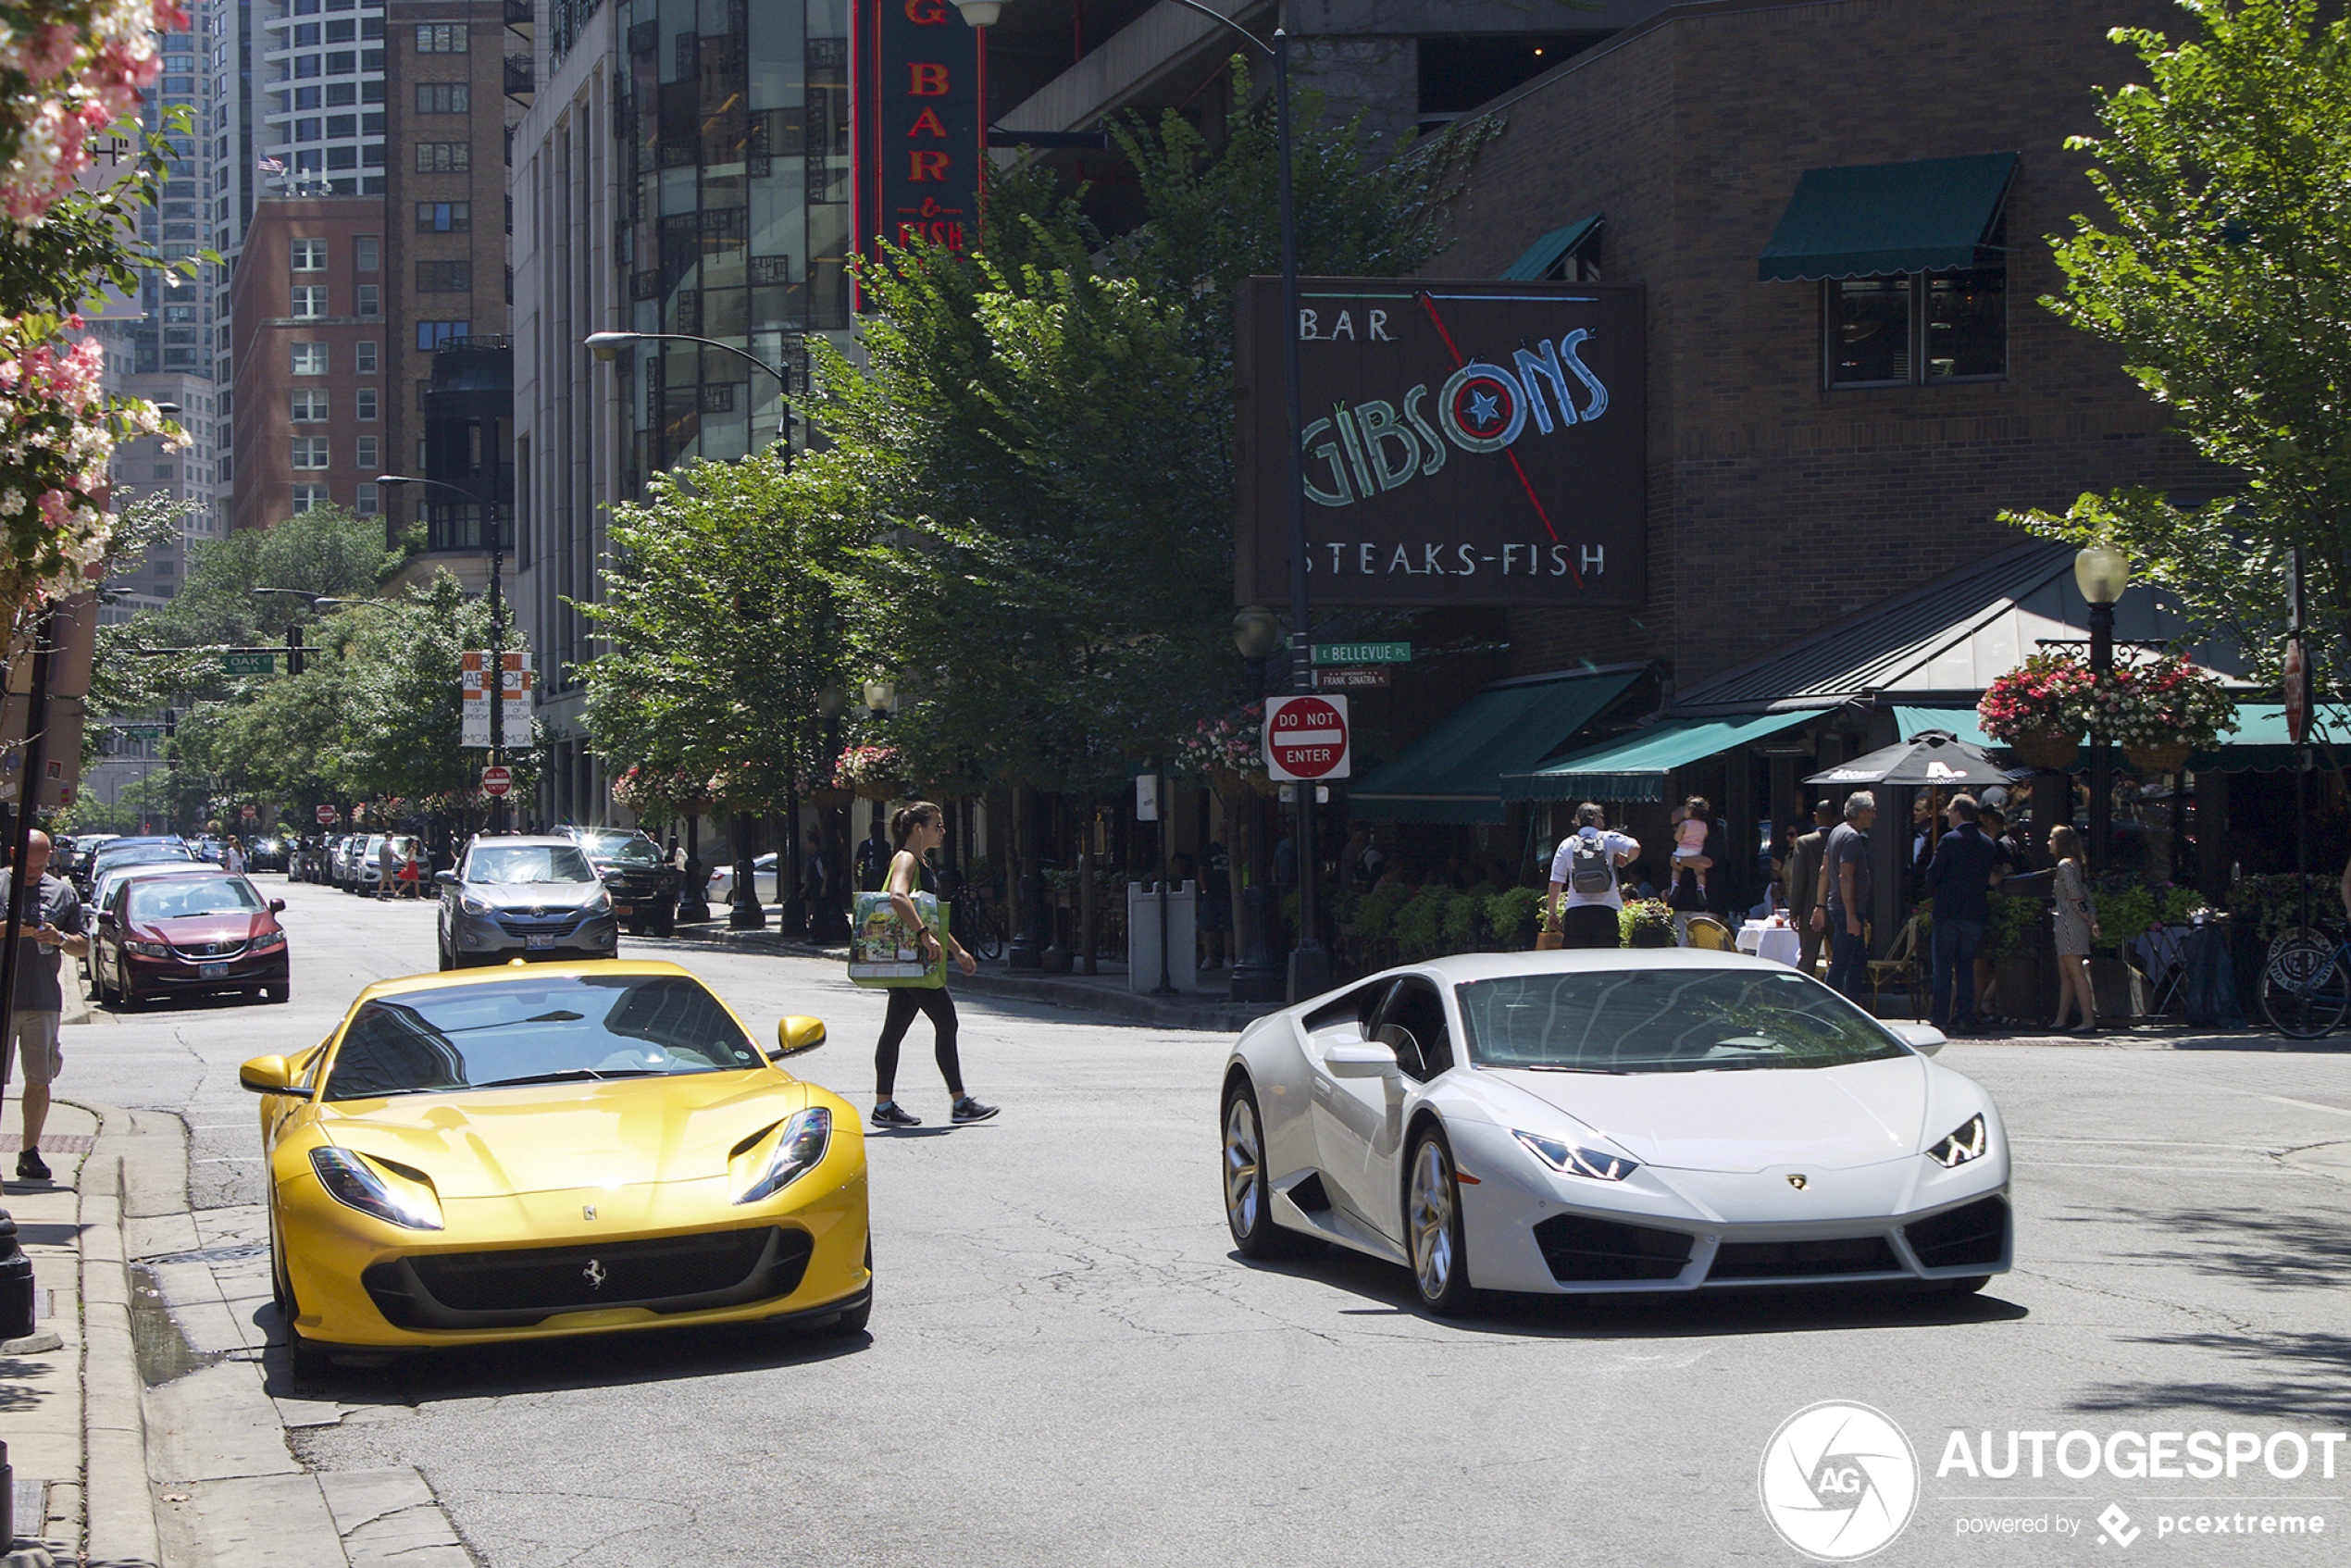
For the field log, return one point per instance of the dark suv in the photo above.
(643, 883)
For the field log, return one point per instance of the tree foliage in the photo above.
(2222, 267)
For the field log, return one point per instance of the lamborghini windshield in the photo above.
(536, 1028)
(1666, 1021)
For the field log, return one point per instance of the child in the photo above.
(1689, 838)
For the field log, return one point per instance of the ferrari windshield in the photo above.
(528, 863)
(536, 1029)
(177, 898)
(623, 849)
(1666, 1021)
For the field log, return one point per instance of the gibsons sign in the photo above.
(919, 76)
(1465, 444)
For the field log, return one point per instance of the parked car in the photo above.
(268, 855)
(103, 889)
(527, 896)
(720, 887)
(361, 871)
(132, 851)
(643, 883)
(201, 932)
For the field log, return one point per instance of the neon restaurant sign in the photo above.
(918, 109)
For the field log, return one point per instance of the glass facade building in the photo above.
(734, 164)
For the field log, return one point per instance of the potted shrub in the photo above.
(1511, 915)
(1646, 923)
(2038, 710)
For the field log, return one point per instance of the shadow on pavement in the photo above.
(1661, 1316)
(2303, 1250)
(2284, 1373)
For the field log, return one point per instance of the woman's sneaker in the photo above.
(31, 1167)
(890, 1113)
(970, 1110)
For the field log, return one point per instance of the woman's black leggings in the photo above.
(904, 1002)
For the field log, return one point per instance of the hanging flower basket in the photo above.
(2169, 757)
(2045, 749)
(882, 790)
(830, 799)
(1228, 753)
(875, 772)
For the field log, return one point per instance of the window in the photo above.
(366, 399)
(310, 255)
(444, 217)
(444, 157)
(370, 301)
(306, 36)
(444, 98)
(340, 33)
(432, 334)
(305, 66)
(310, 359)
(309, 451)
(366, 456)
(372, 92)
(342, 62)
(309, 302)
(342, 125)
(372, 60)
(372, 155)
(365, 359)
(309, 407)
(342, 157)
(1920, 328)
(179, 313)
(309, 498)
(339, 94)
(441, 38)
(444, 277)
(371, 27)
(365, 504)
(307, 130)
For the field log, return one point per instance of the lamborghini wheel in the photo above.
(1248, 1200)
(1433, 1227)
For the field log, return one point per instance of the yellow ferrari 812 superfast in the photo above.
(549, 1150)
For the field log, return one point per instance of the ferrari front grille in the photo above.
(1974, 1233)
(1803, 1260)
(1582, 1251)
(515, 1286)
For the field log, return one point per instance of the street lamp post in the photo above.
(1310, 964)
(2101, 572)
(1257, 973)
(828, 922)
(495, 677)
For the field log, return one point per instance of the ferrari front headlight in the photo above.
(798, 1151)
(1971, 1139)
(355, 1184)
(1565, 1158)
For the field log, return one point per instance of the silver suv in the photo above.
(524, 897)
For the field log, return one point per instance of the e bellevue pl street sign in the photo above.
(1363, 652)
(1465, 443)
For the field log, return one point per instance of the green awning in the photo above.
(1935, 215)
(2261, 743)
(1633, 767)
(1545, 253)
(1455, 772)
(1960, 722)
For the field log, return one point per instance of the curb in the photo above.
(118, 1501)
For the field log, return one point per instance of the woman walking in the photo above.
(2077, 928)
(916, 829)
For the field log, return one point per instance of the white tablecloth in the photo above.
(1779, 944)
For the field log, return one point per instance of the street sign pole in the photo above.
(2297, 634)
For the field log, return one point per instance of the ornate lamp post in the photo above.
(2101, 572)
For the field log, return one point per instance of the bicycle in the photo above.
(2306, 983)
(974, 923)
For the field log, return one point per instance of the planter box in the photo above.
(2025, 988)
(2120, 989)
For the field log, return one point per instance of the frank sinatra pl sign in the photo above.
(1465, 444)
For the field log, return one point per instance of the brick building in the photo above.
(447, 83)
(307, 311)
(1837, 211)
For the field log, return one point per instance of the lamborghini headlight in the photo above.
(353, 1183)
(1568, 1160)
(1971, 1139)
(798, 1151)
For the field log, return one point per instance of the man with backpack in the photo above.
(1585, 868)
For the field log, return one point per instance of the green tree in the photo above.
(2221, 268)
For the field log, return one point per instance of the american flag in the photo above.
(270, 165)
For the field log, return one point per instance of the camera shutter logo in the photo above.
(1838, 1481)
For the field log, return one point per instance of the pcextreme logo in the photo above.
(1838, 1481)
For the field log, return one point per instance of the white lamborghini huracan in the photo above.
(1606, 1121)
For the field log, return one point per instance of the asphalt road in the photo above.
(1067, 1365)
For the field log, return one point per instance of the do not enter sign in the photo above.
(1306, 738)
(326, 814)
(496, 781)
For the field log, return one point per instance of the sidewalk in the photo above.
(75, 1435)
(1208, 1007)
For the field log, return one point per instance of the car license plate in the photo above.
(620, 909)
(211, 971)
(540, 938)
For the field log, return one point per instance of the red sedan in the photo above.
(204, 932)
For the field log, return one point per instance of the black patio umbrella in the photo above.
(1931, 757)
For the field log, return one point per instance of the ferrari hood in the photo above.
(1832, 1118)
(497, 1142)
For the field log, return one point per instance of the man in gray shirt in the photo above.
(51, 930)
